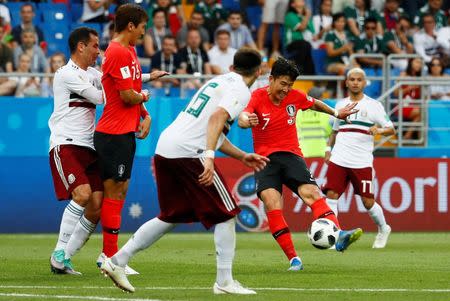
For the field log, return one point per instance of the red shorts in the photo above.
(183, 200)
(338, 178)
(72, 166)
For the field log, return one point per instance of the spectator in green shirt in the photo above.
(214, 15)
(338, 45)
(299, 32)
(358, 14)
(399, 41)
(433, 7)
(368, 43)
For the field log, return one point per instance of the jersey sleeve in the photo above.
(251, 106)
(234, 101)
(381, 118)
(303, 100)
(119, 68)
(82, 87)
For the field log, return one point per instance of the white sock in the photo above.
(70, 218)
(376, 213)
(144, 237)
(333, 204)
(225, 241)
(81, 233)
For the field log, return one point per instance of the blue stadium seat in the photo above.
(77, 10)
(319, 56)
(254, 15)
(55, 13)
(231, 4)
(373, 88)
(96, 26)
(56, 37)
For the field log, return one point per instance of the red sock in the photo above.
(111, 219)
(320, 209)
(280, 231)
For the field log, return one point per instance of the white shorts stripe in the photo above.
(224, 196)
(58, 165)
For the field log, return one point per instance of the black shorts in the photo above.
(284, 168)
(116, 154)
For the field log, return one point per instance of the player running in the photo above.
(190, 188)
(271, 114)
(73, 161)
(351, 158)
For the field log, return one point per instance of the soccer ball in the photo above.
(323, 233)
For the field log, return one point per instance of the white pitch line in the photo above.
(71, 297)
(293, 289)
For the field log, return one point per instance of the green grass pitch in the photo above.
(414, 266)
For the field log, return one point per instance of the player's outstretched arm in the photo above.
(343, 113)
(330, 144)
(247, 120)
(146, 77)
(385, 131)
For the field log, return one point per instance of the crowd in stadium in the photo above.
(201, 37)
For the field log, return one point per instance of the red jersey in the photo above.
(121, 71)
(276, 131)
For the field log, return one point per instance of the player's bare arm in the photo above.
(144, 125)
(343, 113)
(131, 97)
(215, 126)
(146, 77)
(247, 120)
(385, 131)
(330, 144)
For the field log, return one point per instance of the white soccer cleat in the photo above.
(128, 270)
(382, 238)
(117, 275)
(233, 288)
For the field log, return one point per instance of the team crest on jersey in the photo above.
(290, 109)
(121, 170)
(71, 178)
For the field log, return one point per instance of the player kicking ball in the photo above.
(271, 113)
(190, 187)
(351, 158)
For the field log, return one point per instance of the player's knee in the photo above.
(368, 202)
(82, 196)
(332, 195)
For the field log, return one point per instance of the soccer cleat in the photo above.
(128, 270)
(233, 288)
(117, 275)
(382, 238)
(68, 267)
(346, 238)
(295, 264)
(57, 262)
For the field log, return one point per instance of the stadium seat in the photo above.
(55, 13)
(77, 10)
(96, 26)
(319, 56)
(231, 4)
(373, 88)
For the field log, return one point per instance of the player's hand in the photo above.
(144, 127)
(248, 120)
(347, 111)
(146, 95)
(157, 74)
(255, 161)
(374, 130)
(327, 156)
(207, 176)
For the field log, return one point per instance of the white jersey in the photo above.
(76, 92)
(186, 136)
(354, 144)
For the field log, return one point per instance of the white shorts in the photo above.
(274, 11)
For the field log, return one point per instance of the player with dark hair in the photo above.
(73, 161)
(190, 188)
(120, 123)
(271, 114)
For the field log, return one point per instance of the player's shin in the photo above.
(70, 217)
(225, 241)
(333, 204)
(111, 219)
(81, 234)
(145, 236)
(281, 233)
(320, 209)
(377, 215)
